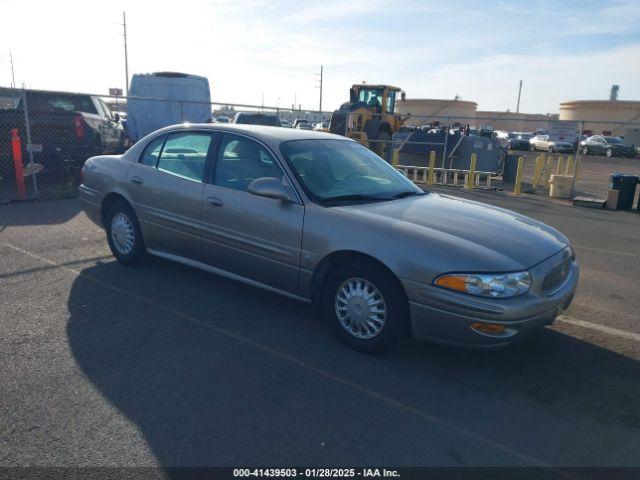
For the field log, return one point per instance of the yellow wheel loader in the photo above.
(369, 117)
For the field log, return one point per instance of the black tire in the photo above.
(136, 253)
(608, 152)
(381, 146)
(532, 147)
(395, 320)
(585, 150)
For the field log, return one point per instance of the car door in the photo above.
(598, 145)
(166, 185)
(254, 237)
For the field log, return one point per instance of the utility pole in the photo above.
(321, 68)
(126, 57)
(519, 93)
(13, 75)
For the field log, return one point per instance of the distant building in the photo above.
(598, 114)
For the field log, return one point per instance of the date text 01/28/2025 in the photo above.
(315, 473)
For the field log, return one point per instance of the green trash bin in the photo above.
(626, 184)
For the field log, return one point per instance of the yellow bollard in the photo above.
(559, 165)
(547, 171)
(517, 188)
(432, 166)
(577, 167)
(472, 172)
(569, 168)
(394, 158)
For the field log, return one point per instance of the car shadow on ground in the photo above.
(35, 213)
(213, 372)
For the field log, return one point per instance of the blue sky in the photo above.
(247, 48)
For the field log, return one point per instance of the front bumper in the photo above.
(447, 317)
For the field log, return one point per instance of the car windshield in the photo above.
(614, 140)
(343, 170)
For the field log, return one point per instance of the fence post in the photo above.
(432, 167)
(25, 108)
(577, 162)
(472, 172)
(517, 188)
(17, 163)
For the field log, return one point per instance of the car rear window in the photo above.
(60, 101)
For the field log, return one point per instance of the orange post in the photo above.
(17, 162)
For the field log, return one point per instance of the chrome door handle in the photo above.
(136, 180)
(215, 201)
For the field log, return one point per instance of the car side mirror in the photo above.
(269, 187)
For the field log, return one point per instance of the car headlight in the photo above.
(500, 285)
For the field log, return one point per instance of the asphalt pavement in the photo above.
(164, 365)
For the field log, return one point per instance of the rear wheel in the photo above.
(382, 145)
(123, 234)
(364, 306)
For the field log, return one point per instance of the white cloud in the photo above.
(547, 80)
(257, 46)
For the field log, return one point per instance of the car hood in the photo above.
(474, 234)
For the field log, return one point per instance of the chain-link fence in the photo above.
(45, 138)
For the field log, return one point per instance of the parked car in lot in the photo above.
(222, 119)
(321, 127)
(285, 123)
(607, 145)
(519, 141)
(545, 143)
(66, 128)
(322, 219)
(256, 118)
(160, 99)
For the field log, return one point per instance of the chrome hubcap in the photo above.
(360, 308)
(122, 233)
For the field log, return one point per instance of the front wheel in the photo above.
(585, 150)
(364, 306)
(124, 235)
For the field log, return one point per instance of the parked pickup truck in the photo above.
(66, 128)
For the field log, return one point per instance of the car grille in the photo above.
(557, 277)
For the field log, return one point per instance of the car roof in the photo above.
(264, 133)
